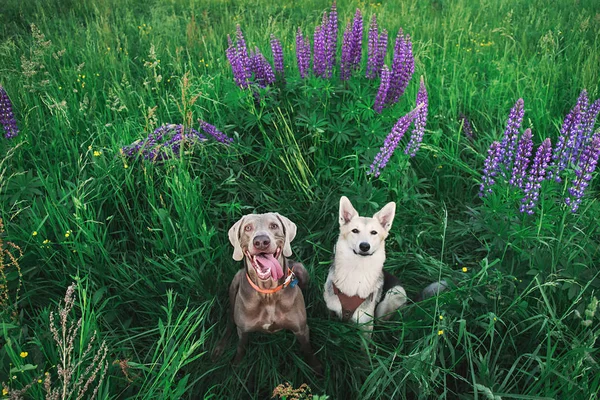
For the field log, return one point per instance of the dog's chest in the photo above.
(358, 276)
(270, 319)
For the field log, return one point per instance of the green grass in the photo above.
(148, 242)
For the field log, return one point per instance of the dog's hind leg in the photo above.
(241, 348)
(394, 296)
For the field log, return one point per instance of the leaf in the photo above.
(23, 368)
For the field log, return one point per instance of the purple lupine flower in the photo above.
(565, 143)
(578, 134)
(331, 40)
(416, 136)
(346, 60)
(377, 47)
(589, 120)
(403, 67)
(277, 55)
(7, 117)
(319, 47)
(391, 142)
(537, 174)
(383, 89)
(583, 172)
(240, 71)
(372, 49)
(263, 73)
(242, 50)
(490, 169)
(302, 54)
(521, 163)
(511, 134)
(214, 132)
(164, 142)
(466, 126)
(357, 36)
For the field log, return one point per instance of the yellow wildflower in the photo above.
(4, 391)
(97, 153)
(464, 269)
(441, 317)
(46, 241)
(440, 332)
(24, 354)
(39, 381)
(34, 233)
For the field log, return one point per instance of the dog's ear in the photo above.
(385, 216)
(347, 212)
(234, 238)
(290, 234)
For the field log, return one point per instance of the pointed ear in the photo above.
(234, 238)
(347, 212)
(385, 216)
(290, 233)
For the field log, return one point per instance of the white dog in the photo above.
(357, 287)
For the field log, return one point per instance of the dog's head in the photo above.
(262, 238)
(364, 235)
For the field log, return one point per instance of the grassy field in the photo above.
(146, 242)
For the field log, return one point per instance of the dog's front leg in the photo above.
(241, 348)
(303, 337)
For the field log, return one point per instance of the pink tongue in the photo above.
(268, 260)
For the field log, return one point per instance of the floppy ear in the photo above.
(347, 212)
(234, 238)
(290, 234)
(385, 216)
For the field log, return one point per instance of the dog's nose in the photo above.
(261, 242)
(364, 246)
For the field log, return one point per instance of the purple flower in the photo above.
(511, 134)
(242, 50)
(164, 142)
(537, 174)
(420, 121)
(383, 89)
(263, 73)
(319, 51)
(346, 61)
(490, 169)
(7, 118)
(277, 55)
(357, 35)
(522, 159)
(377, 47)
(403, 67)
(302, 54)
(214, 132)
(583, 172)
(566, 141)
(391, 142)
(466, 126)
(241, 70)
(331, 40)
(589, 120)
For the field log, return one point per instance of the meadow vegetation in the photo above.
(143, 236)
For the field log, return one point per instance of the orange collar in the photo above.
(290, 277)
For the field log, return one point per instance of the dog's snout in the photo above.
(261, 242)
(364, 246)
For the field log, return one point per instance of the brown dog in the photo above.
(264, 296)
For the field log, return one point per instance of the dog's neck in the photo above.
(269, 283)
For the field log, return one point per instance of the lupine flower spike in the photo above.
(277, 55)
(571, 135)
(377, 47)
(163, 142)
(511, 134)
(383, 89)
(490, 169)
(537, 174)
(214, 132)
(466, 126)
(391, 142)
(346, 60)
(583, 172)
(403, 67)
(302, 54)
(420, 121)
(522, 159)
(7, 118)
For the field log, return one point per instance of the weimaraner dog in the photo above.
(265, 295)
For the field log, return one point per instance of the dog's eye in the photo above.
(248, 228)
(354, 230)
(273, 226)
(373, 232)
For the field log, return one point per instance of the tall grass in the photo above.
(149, 239)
